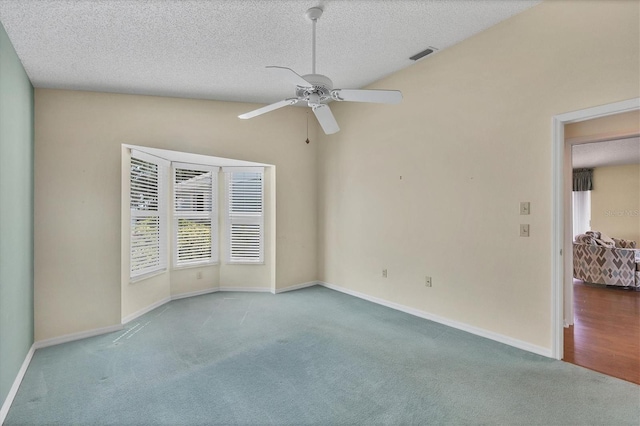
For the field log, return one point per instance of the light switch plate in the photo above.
(524, 230)
(525, 208)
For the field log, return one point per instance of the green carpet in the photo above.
(313, 356)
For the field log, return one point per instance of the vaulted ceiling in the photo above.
(218, 49)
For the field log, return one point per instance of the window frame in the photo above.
(243, 219)
(212, 215)
(160, 213)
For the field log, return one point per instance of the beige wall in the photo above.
(78, 138)
(471, 139)
(615, 201)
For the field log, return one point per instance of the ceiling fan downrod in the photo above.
(317, 89)
(313, 14)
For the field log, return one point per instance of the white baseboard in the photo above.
(445, 321)
(297, 287)
(143, 311)
(194, 293)
(16, 385)
(247, 289)
(83, 335)
(95, 332)
(77, 336)
(159, 303)
(43, 344)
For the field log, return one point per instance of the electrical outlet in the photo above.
(384, 273)
(524, 230)
(427, 281)
(525, 208)
(199, 275)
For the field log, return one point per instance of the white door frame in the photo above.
(557, 223)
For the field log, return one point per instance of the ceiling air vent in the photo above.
(424, 53)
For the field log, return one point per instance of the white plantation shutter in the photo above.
(245, 214)
(148, 215)
(195, 234)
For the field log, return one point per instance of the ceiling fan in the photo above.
(317, 89)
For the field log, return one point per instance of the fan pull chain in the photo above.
(307, 141)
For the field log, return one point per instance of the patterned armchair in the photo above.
(599, 264)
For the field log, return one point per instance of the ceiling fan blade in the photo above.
(326, 119)
(268, 108)
(376, 96)
(289, 75)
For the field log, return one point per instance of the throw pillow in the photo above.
(605, 241)
(585, 239)
(594, 234)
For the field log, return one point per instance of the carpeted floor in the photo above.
(313, 356)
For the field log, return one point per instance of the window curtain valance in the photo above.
(582, 179)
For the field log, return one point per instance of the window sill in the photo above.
(146, 276)
(194, 265)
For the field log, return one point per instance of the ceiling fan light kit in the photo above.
(317, 89)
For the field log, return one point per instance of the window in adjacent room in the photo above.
(581, 212)
(148, 251)
(245, 214)
(195, 233)
(582, 186)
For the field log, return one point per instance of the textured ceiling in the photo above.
(611, 153)
(218, 49)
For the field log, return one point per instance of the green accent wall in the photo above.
(16, 215)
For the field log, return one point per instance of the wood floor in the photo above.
(605, 336)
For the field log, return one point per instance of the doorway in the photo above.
(603, 332)
(561, 261)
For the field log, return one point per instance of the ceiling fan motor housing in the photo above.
(317, 89)
(321, 86)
